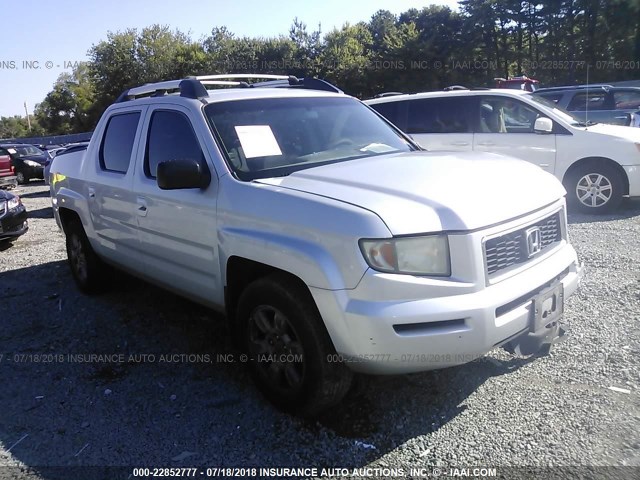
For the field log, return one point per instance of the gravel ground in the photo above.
(168, 411)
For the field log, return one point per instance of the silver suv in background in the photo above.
(596, 103)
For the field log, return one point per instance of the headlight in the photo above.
(31, 163)
(427, 255)
(13, 203)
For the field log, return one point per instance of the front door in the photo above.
(177, 227)
(506, 125)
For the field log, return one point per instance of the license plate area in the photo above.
(548, 306)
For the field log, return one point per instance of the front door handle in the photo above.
(142, 207)
(460, 144)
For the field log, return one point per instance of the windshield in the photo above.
(560, 112)
(28, 150)
(277, 136)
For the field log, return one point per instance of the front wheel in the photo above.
(594, 188)
(21, 179)
(291, 357)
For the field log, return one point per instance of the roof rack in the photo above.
(387, 94)
(194, 87)
(604, 86)
(455, 87)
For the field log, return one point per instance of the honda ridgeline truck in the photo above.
(332, 242)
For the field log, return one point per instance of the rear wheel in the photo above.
(291, 357)
(89, 272)
(594, 188)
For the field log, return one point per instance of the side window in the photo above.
(170, 137)
(117, 142)
(505, 115)
(389, 110)
(440, 115)
(627, 99)
(596, 100)
(552, 97)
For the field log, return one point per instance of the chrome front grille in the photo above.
(3, 208)
(512, 249)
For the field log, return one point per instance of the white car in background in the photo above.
(598, 164)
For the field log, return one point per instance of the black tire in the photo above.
(21, 178)
(89, 272)
(594, 187)
(278, 317)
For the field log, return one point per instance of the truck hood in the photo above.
(421, 192)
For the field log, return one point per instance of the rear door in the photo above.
(505, 125)
(627, 102)
(109, 189)
(596, 105)
(442, 123)
(177, 227)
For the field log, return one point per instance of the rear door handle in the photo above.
(486, 144)
(142, 207)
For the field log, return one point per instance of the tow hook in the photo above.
(539, 343)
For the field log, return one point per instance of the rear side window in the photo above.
(440, 115)
(117, 143)
(171, 137)
(588, 101)
(627, 99)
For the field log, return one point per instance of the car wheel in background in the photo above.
(594, 188)
(20, 178)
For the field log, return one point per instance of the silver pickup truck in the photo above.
(332, 242)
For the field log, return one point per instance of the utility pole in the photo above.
(27, 112)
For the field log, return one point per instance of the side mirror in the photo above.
(180, 174)
(543, 125)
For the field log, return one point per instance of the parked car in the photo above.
(28, 161)
(59, 151)
(7, 177)
(598, 164)
(517, 83)
(332, 242)
(597, 103)
(13, 216)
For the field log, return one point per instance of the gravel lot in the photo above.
(170, 412)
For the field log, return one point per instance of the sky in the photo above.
(47, 37)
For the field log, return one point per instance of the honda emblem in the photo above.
(534, 241)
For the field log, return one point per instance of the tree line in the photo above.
(555, 41)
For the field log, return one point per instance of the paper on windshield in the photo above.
(257, 141)
(11, 150)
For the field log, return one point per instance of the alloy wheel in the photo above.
(594, 190)
(275, 348)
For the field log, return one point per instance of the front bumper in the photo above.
(633, 174)
(401, 336)
(13, 225)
